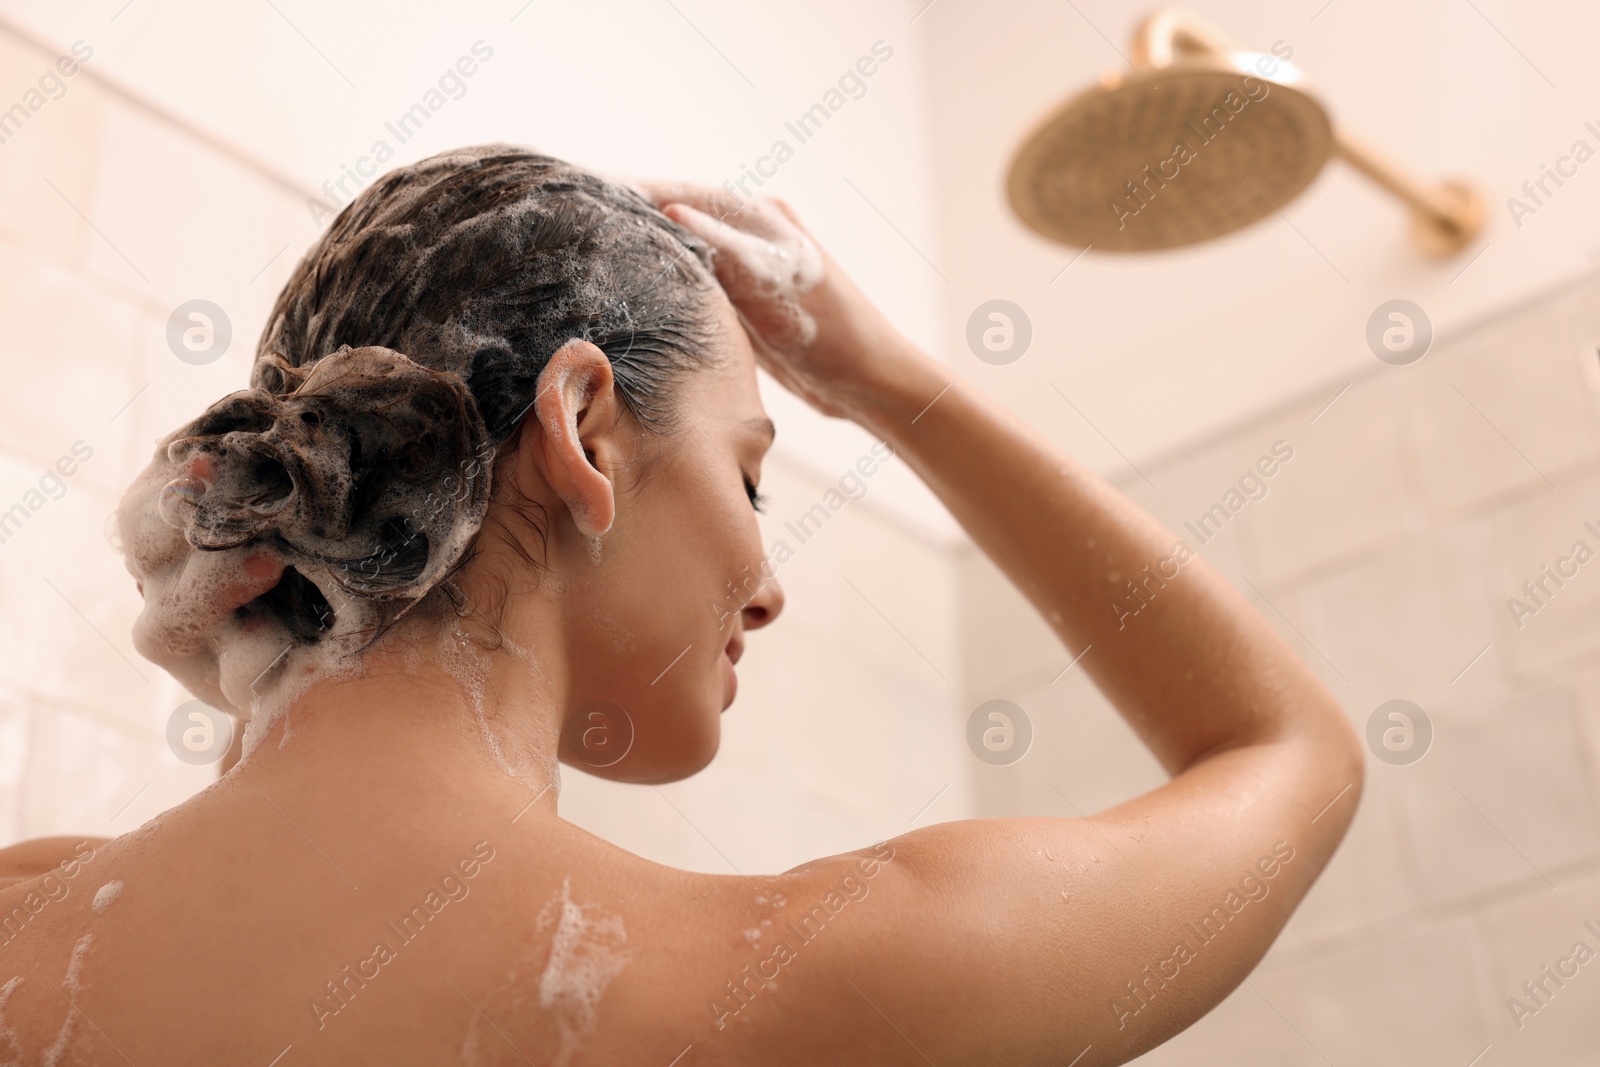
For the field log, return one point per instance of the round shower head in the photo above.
(1198, 139)
(1161, 158)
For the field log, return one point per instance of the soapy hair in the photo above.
(397, 364)
(484, 261)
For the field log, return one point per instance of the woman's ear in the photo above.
(578, 413)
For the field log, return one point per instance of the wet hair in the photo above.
(397, 366)
(483, 262)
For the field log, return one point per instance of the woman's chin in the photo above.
(645, 775)
(648, 764)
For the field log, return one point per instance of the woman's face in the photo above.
(655, 617)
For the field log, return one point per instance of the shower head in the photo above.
(1200, 139)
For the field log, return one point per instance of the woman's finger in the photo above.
(718, 203)
(739, 253)
(765, 277)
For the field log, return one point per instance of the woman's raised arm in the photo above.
(1026, 940)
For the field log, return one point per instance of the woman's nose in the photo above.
(764, 606)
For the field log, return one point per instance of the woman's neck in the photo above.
(454, 717)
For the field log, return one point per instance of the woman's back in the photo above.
(399, 918)
(292, 911)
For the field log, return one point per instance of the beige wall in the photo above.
(1385, 552)
(108, 219)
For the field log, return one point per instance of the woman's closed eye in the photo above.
(757, 501)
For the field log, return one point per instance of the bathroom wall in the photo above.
(113, 213)
(107, 218)
(1388, 551)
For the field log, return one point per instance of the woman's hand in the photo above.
(812, 329)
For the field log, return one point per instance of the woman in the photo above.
(514, 522)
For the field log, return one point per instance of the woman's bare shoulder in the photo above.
(27, 860)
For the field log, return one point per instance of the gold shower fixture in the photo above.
(1199, 139)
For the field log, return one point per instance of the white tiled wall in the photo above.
(1384, 552)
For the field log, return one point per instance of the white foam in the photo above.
(525, 655)
(71, 986)
(469, 664)
(792, 269)
(549, 765)
(588, 949)
(583, 516)
(10, 1043)
(107, 896)
(252, 667)
(779, 264)
(286, 679)
(585, 955)
(622, 639)
(207, 533)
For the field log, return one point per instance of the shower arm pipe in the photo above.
(1437, 205)
(1442, 209)
(1171, 30)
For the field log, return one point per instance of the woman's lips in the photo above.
(730, 656)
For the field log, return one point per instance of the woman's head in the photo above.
(500, 387)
